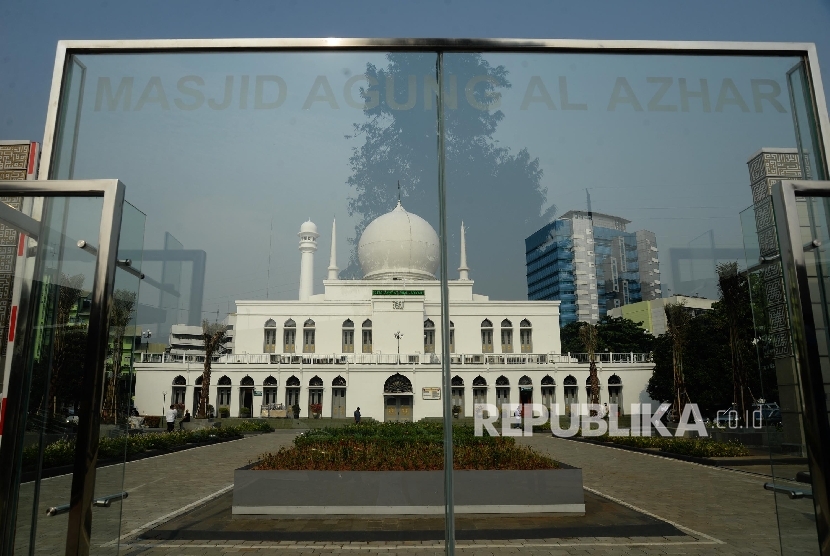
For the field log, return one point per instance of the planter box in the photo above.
(555, 491)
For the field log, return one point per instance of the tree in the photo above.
(616, 335)
(677, 325)
(123, 311)
(588, 335)
(213, 335)
(400, 144)
(735, 302)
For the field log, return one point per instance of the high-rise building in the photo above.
(589, 262)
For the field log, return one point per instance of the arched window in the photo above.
(289, 336)
(452, 337)
(479, 381)
(316, 381)
(247, 381)
(269, 390)
(397, 384)
(348, 336)
(457, 393)
(198, 381)
(525, 381)
(526, 336)
(179, 381)
(338, 398)
(547, 380)
(269, 344)
(224, 381)
(486, 336)
(429, 336)
(570, 381)
(292, 381)
(457, 381)
(367, 336)
(308, 336)
(506, 336)
(502, 381)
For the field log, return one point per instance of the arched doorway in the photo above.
(458, 395)
(338, 398)
(525, 390)
(269, 390)
(397, 399)
(548, 391)
(197, 396)
(292, 392)
(615, 393)
(223, 396)
(179, 390)
(315, 395)
(479, 390)
(571, 393)
(246, 397)
(502, 392)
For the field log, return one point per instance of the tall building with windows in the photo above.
(591, 264)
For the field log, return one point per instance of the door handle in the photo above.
(791, 492)
(101, 502)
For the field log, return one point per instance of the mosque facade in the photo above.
(375, 343)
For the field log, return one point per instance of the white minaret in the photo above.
(463, 270)
(333, 258)
(308, 245)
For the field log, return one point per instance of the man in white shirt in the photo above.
(171, 418)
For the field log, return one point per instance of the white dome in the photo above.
(308, 228)
(398, 244)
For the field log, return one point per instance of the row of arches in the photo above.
(506, 336)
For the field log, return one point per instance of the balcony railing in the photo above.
(399, 359)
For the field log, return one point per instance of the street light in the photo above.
(398, 336)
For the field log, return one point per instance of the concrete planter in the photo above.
(556, 491)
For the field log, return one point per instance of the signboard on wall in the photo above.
(431, 393)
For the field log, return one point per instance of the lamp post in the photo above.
(164, 403)
(398, 336)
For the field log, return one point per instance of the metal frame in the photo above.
(86, 455)
(805, 341)
(66, 49)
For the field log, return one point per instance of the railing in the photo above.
(456, 359)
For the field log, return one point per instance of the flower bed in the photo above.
(62, 452)
(401, 447)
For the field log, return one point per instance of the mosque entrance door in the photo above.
(398, 409)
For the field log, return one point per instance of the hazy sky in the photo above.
(215, 177)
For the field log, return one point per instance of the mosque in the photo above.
(375, 343)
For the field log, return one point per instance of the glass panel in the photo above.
(239, 160)
(623, 179)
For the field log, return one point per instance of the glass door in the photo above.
(54, 353)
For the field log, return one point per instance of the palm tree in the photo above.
(677, 328)
(214, 335)
(588, 335)
(123, 311)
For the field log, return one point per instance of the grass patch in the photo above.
(401, 447)
(697, 447)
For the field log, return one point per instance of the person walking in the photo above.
(357, 416)
(170, 417)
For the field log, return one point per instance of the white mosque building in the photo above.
(375, 343)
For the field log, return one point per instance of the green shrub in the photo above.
(152, 421)
(254, 426)
(224, 411)
(697, 447)
(244, 411)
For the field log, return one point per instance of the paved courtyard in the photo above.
(720, 511)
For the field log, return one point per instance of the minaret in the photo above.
(333, 258)
(463, 270)
(308, 245)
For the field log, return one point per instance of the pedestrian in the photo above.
(185, 419)
(605, 411)
(170, 417)
(357, 416)
(518, 416)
